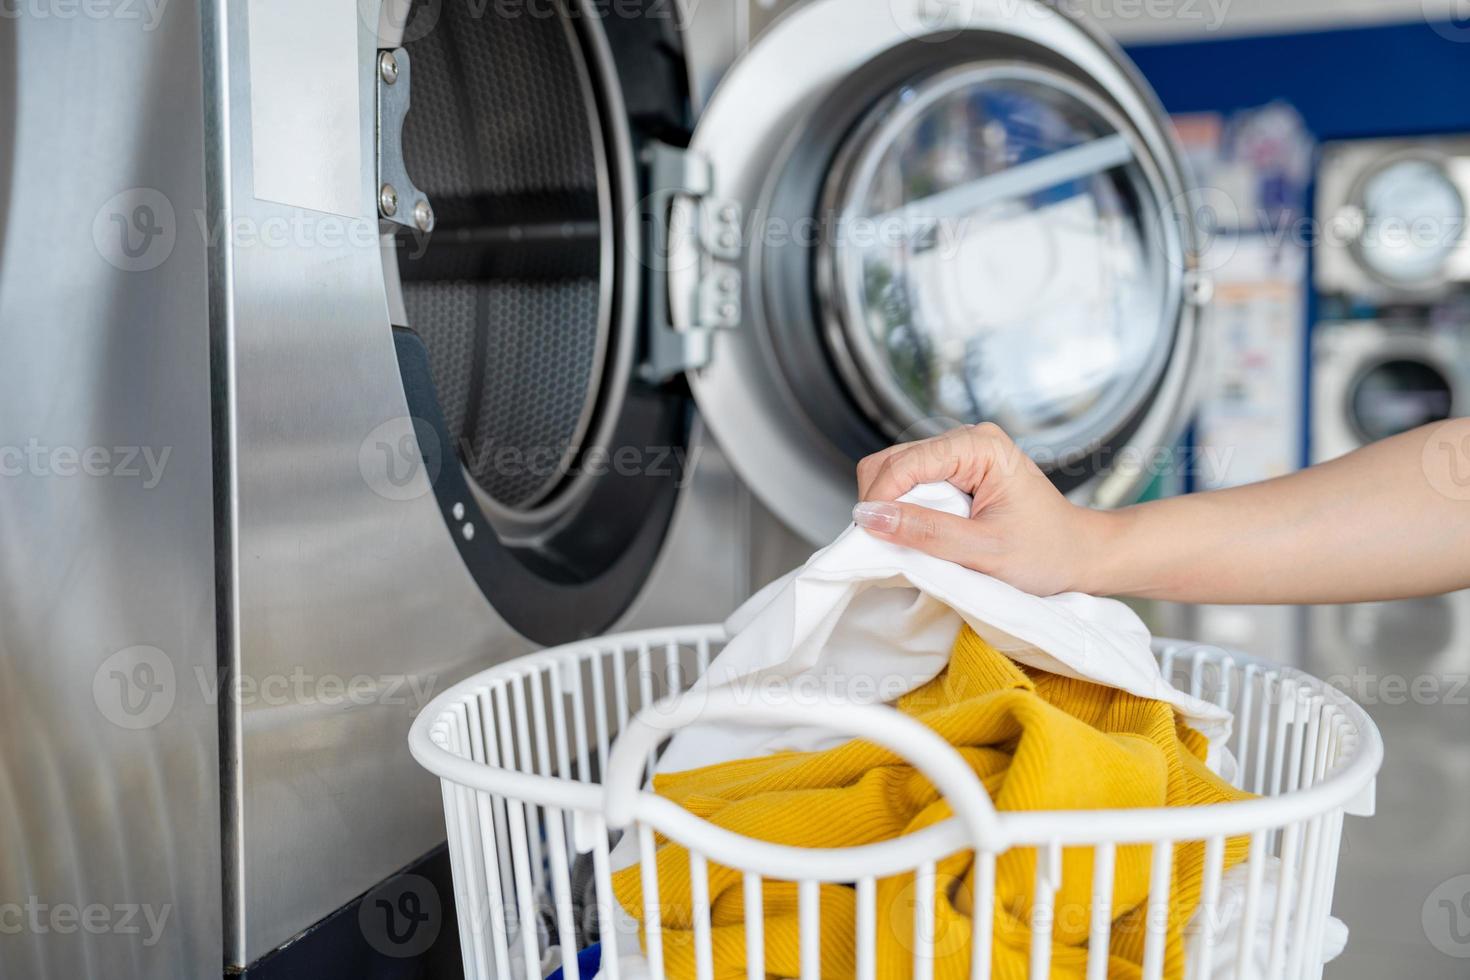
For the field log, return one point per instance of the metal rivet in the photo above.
(468, 531)
(727, 311)
(388, 67)
(728, 213)
(458, 511)
(423, 215)
(727, 239)
(388, 200)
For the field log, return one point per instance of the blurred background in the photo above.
(1331, 144)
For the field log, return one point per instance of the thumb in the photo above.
(933, 532)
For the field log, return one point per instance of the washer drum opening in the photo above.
(525, 297)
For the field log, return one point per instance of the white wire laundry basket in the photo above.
(541, 757)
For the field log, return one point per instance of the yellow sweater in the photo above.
(1038, 741)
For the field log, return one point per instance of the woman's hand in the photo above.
(1386, 521)
(1020, 530)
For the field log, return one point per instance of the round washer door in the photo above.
(941, 224)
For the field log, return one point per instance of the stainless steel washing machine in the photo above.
(1393, 215)
(1372, 379)
(469, 327)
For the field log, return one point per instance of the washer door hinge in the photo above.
(693, 259)
(400, 202)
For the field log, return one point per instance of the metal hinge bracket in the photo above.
(693, 261)
(400, 202)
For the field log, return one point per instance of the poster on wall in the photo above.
(1252, 171)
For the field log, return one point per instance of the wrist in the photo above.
(1101, 555)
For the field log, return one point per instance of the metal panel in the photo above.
(109, 779)
(351, 604)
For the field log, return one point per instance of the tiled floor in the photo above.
(1399, 887)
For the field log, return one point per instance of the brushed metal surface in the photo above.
(351, 604)
(109, 778)
(709, 563)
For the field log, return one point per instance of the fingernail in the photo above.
(876, 516)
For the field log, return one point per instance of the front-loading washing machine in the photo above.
(875, 228)
(1393, 218)
(474, 326)
(1375, 378)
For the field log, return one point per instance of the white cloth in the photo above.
(1227, 922)
(865, 620)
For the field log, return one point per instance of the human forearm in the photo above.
(1390, 520)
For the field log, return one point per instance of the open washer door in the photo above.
(904, 225)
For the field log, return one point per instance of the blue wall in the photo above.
(1396, 80)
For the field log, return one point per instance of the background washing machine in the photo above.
(473, 327)
(1374, 378)
(1393, 216)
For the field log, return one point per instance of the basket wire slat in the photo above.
(523, 748)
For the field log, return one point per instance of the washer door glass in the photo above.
(998, 256)
(1412, 215)
(1397, 395)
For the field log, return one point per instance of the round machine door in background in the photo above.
(1373, 379)
(1413, 215)
(1398, 394)
(979, 220)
